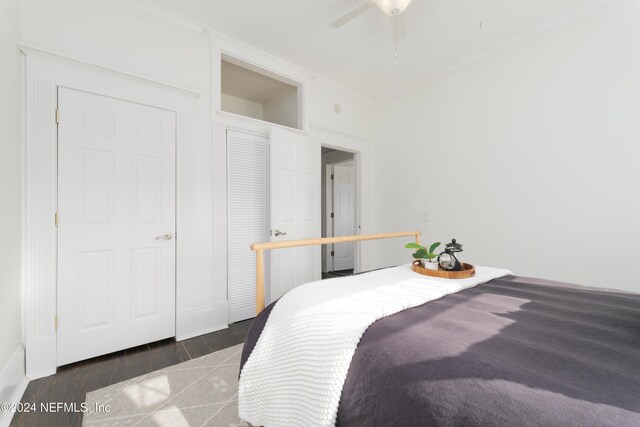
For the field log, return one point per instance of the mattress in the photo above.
(513, 351)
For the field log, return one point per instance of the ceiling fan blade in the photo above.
(353, 13)
(401, 30)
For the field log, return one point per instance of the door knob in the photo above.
(165, 236)
(279, 233)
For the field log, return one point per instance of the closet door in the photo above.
(248, 205)
(116, 200)
(295, 209)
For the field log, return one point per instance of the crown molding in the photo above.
(324, 128)
(159, 15)
(258, 58)
(224, 41)
(175, 21)
(168, 18)
(29, 49)
(332, 84)
(538, 33)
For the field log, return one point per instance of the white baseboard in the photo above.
(201, 332)
(13, 382)
(41, 357)
(194, 322)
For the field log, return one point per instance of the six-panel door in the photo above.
(116, 246)
(343, 215)
(295, 209)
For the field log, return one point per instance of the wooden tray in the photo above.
(468, 270)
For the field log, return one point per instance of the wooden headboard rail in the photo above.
(259, 249)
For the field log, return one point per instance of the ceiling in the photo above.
(440, 34)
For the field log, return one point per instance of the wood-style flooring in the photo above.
(341, 273)
(72, 382)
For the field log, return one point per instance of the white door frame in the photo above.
(45, 71)
(328, 208)
(331, 138)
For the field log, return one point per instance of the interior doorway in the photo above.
(338, 210)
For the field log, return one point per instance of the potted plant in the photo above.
(426, 255)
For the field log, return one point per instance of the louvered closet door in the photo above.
(247, 183)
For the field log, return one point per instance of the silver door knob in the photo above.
(165, 236)
(279, 233)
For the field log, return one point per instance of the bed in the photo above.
(504, 351)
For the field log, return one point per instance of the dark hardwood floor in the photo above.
(73, 382)
(332, 274)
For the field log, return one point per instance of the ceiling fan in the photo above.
(389, 7)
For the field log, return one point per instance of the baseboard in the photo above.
(201, 332)
(192, 322)
(41, 357)
(13, 383)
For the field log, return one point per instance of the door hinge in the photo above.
(333, 253)
(331, 176)
(331, 214)
(57, 116)
(57, 219)
(55, 323)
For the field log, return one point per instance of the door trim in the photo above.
(362, 176)
(328, 208)
(44, 72)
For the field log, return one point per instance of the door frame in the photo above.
(329, 205)
(45, 71)
(360, 147)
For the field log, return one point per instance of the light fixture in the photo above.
(392, 7)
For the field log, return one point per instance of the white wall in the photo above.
(355, 116)
(529, 159)
(233, 104)
(10, 177)
(282, 108)
(12, 379)
(93, 30)
(97, 31)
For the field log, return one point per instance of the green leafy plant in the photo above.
(422, 252)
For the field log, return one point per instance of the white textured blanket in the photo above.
(295, 374)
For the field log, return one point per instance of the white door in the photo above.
(248, 204)
(343, 214)
(295, 209)
(116, 204)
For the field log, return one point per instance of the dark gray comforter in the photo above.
(512, 352)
